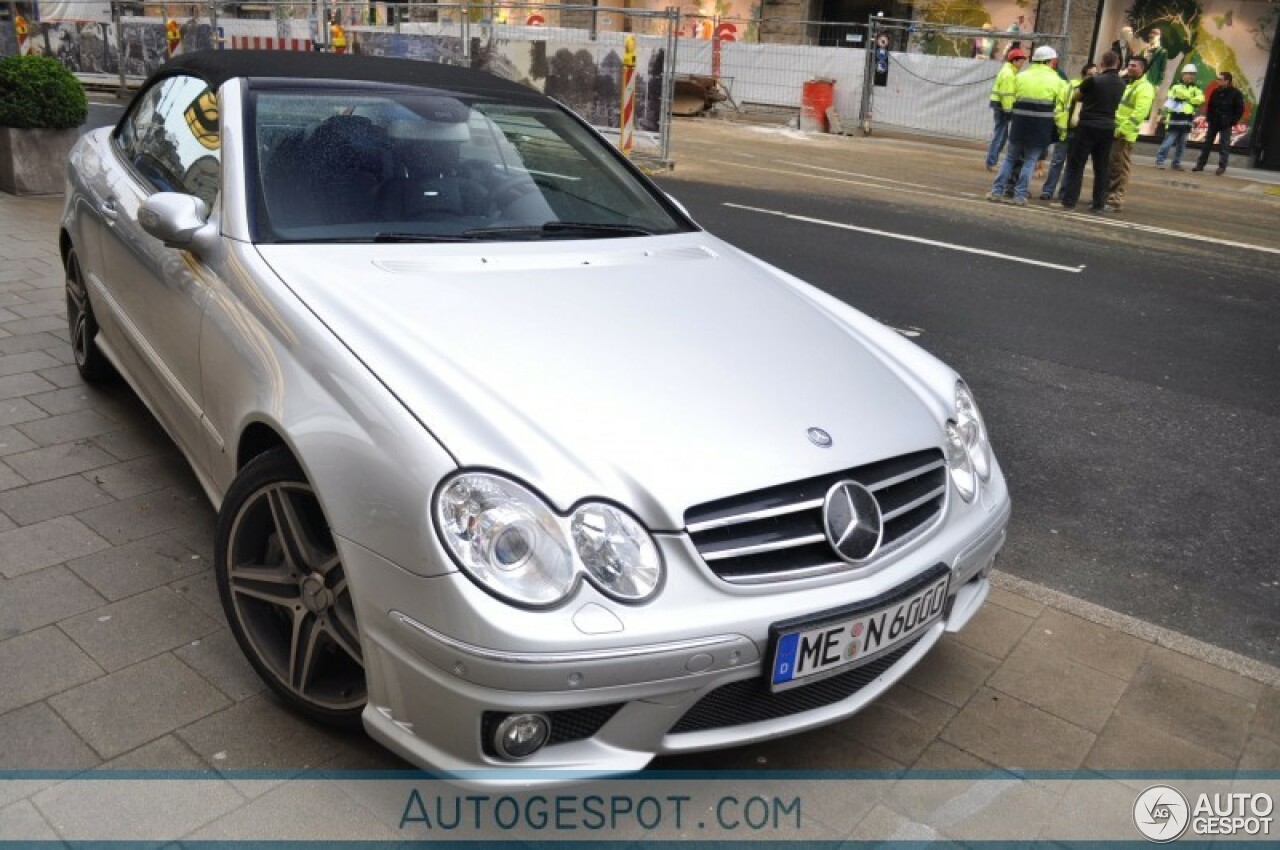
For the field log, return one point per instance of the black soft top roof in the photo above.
(217, 66)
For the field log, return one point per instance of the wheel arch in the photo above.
(64, 245)
(258, 438)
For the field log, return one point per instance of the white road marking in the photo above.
(1164, 231)
(896, 185)
(950, 246)
(922, 189)
(857, 174)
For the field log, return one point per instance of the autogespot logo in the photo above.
(1161, 813)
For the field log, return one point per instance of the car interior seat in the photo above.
(345, 159)
(434, 185)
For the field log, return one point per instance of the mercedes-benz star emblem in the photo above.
(851, 518)
(820, 438)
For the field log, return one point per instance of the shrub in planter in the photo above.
(39, 93)
(41, 105)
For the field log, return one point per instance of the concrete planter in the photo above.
(34, 162)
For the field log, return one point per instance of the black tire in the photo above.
(93, 364)
(285, 592)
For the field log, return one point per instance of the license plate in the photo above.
(836, 645)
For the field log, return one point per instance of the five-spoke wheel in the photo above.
(91, 362)
(285, 591)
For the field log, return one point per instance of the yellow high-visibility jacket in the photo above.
(1184, 99)
(1135, 106)
(1039, 106)
(1002, 88)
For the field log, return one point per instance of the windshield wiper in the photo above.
(422, 237)
(561, 228)
(378, 237)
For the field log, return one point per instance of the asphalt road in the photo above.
(1129, 376)
(102, 112)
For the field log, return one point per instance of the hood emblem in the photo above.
(820, 438)
(852, 521)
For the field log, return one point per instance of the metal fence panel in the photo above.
(936, 78)
(929, 78)
(572, 53)
(767, 80)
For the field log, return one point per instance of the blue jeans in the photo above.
(999, 133)
(1059, 159)
(1028, 155)
(1175, 137)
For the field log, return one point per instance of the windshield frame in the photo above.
(258, 219)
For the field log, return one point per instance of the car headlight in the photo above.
(968, 452)
(618, 554)
(506, 539)
(974, 431)
(959, 464)
(514, 545)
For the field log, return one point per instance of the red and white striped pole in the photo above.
(23, 30)
(627, 125)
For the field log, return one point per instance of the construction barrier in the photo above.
(572, 53)
(628, 120)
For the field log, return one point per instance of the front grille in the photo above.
(751, 701)
(572, 724)
(777, 533)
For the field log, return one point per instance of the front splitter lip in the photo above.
(626, 744)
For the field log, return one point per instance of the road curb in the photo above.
(1225, 659)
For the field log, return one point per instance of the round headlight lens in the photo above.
(959, 463)
(617, 552)
(506, 539)
(974, 431)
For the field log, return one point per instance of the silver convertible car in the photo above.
(514, 463)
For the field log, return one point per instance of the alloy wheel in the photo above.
(83, 329)
(290, 596)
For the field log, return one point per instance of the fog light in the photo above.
(521, 735)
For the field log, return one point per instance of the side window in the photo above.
(171, 138)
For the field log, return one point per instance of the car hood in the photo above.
(659, 372)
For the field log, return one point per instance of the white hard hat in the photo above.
(1189, 69)
(1044, 53)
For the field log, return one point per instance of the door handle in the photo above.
(108, 209)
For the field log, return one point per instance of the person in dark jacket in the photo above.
(1099, 97)
(1223, 111)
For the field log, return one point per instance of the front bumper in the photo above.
(619, 680)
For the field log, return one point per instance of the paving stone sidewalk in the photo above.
(114, 652)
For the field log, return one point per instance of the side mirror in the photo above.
(177, 220)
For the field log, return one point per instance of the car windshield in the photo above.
(402, 164)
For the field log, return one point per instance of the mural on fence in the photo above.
(1005, 20)
(587, 79)
(88, 47)
(8, 40)
(438, 48)
(96, 11)
(1215, 35)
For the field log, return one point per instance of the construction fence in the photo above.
(908, 75)
(911, 75)
(572, 53)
